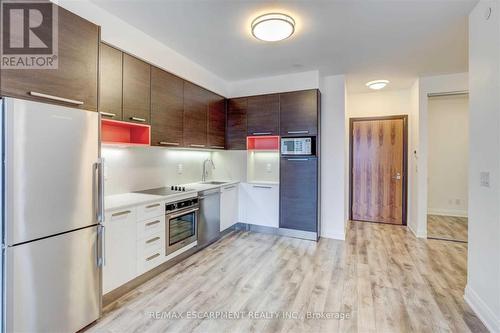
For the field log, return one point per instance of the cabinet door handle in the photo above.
(229, 187)
(164, 143)
(121, 213)
(197, 146)
(261, 186)
(152, 240)
(56, 98)
(262, 133)
(298, 132)
(153, 256)
(152, 223)
(297, 159)
(217, 147)
(153, 205)
(142, 120)
(108, 114)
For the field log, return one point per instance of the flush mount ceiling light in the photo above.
(377, 84)
(273, 27)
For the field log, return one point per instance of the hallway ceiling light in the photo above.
(273, 27)
(377, 84)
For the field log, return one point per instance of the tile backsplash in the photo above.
(138, 168)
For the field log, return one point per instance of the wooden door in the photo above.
(299, 193)
(195, 115)
(76, 75)
(299, 113)
(167, 109)
(136, 90)
(237, 123)
(217, 122)
(110, 84)
(263, 115)
(378, 162)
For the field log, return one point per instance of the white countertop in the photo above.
(119, 201)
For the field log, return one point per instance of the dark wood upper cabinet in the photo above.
(217, 122)
(299, 193)
(136, 90)
(237, 123)
(76, 75)
(167, 108)
(263, 115)
(195, 115)
(299, 113)
(110, 82)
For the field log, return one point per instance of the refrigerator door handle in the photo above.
(101, 245)
(100, 190)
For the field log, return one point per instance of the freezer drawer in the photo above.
(53, 283)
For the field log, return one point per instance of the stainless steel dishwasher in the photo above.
(209, 217)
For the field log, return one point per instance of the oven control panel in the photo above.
(179, 205)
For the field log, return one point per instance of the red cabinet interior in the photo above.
(263, 142)
(122, 133)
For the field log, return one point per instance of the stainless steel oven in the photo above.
(181, 224)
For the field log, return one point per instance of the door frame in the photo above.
(405, 161)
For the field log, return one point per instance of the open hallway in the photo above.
(382, 278)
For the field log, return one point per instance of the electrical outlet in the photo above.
(484, 178)
(457, 202)
(180, 168)
(268, 167)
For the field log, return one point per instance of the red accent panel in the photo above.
(119, 132)
(263, 142)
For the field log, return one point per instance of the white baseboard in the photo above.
(333, 235)
(447, 212)
(482, 310)
(417, 234)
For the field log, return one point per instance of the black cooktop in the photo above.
(165, 190)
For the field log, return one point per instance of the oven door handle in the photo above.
(188, 211)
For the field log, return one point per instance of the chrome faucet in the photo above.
(205, 171)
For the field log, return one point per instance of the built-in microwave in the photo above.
(296, 146)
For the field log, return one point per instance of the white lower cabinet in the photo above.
(134, 243)
(120, 248)
(259, 204)
(228, 206)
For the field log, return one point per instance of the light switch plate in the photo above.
(180, 168)
(484, 177)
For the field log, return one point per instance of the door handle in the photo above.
(98, 167)
(262, 133)
(298, 132)
(152, 223)
(217, 147)
(153, 205)
(56, 98)
(297, 159)
(164, 143)
(101, 245)
(261, 186)
(142, 120)
(197, 146)
(108, 114)
(152, 240)
(121, 213)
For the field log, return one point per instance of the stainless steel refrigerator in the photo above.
(52, 207)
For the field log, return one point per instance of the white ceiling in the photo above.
(373, 39)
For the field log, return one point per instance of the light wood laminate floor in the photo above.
(382, 276)
(447, 227)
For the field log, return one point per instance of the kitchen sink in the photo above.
(213, 182)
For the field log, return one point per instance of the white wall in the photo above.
(483, 282)
(334, 181)
(263, 166)
(379, 103)
(448, 154)
(124, 36)
(134, 169)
